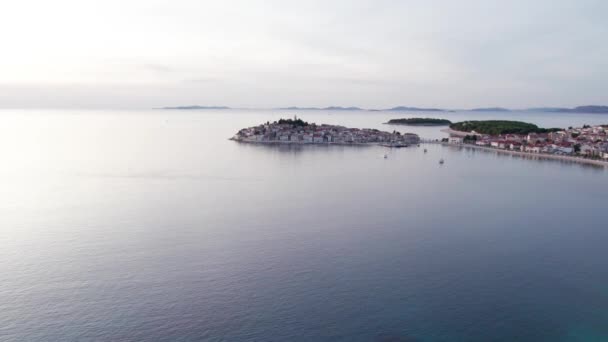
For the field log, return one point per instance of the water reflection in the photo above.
(532, 157)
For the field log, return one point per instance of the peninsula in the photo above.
(419, 122)
(296, 131)
(587, 144)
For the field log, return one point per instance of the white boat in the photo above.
(385, 156)
(441, 161)
(425, 150)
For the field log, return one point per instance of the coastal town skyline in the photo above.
(586, 144)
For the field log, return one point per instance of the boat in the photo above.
(425, 150)
(385, 156)
(441, 161)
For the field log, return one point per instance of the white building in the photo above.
(455, 140)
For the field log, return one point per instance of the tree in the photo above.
(293, 122)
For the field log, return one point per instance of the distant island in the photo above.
(326, 108)
(590, 109)
(413, 109)
(498, 127)
(419, 122)
(547, 109)
(196, 107)
(341, 108)
(296, 131)
(490, 109)
(580, 109)
(394, 109)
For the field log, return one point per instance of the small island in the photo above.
(498, 127)
(297, 131)
(419, 122)
(490, 109)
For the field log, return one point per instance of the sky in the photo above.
(254, 53)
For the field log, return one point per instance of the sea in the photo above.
(151, 225)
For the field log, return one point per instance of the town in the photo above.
(587, 141)
(300, 132)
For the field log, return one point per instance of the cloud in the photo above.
(159, 68)
(202, 80)
(256, 53)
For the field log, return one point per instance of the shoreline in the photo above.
(523, 154)
(571, 159)
(423, 125)
(537, 155)
(300, 143)
(458, 133)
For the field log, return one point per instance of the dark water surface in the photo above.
(151, 225)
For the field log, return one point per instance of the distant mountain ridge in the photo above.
(579, 109)
(398, 108)
(408, 109)
(547, 109)
(317, 108)
(590, 109)
(490, 109)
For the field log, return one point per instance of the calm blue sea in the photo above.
(153, 226)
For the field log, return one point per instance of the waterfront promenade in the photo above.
(521, 154)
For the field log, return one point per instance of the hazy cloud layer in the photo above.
(142, 53)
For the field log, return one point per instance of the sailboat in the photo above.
(441, 161)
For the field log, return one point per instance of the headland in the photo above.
(296, 131)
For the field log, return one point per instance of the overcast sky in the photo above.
(374, 54)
